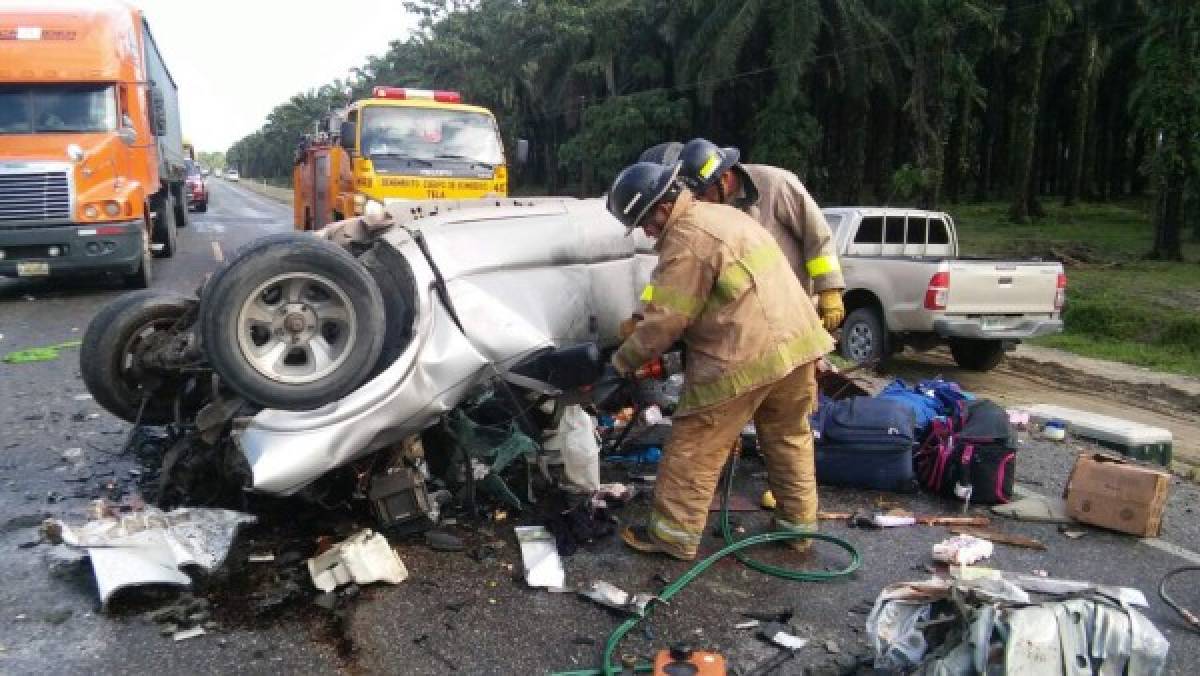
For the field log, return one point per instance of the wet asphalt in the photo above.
(455, 614)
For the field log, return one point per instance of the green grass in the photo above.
(1119, 306)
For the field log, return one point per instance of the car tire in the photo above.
(165, 226)
(292, 322)
(864, 339)
(181, 208)
(107, 360)
(977, 355)
(202, 207)
(394, 278)
(144, 275)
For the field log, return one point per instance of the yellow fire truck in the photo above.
(399, 144)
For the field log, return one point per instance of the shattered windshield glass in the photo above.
(430, 134)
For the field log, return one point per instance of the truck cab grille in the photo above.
(32, 198)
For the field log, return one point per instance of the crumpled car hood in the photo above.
(552, 273)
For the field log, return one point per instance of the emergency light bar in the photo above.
(427, 94)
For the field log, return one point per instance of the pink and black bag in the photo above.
(971, 456)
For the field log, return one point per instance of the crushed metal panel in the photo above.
(150, 546)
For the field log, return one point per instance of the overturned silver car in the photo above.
(348, 341)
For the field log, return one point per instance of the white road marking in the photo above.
(217, 253)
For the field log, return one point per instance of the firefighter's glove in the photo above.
(628, 326)
(829, 306)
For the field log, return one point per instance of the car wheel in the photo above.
(109, 358)
(164, 227)
(292, 322)
(141, 278)
(181, 209)
(977, 355)
(394, 278)
(863, 339)
(202, 207)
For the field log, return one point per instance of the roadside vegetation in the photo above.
(1120, 306)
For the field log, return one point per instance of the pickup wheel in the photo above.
(864, 339)
(977, 355)
(292, 322)
(181, 209)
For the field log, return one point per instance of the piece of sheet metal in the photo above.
(551, 273)
(151, 546)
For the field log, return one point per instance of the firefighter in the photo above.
(775, 198)
(725, 288)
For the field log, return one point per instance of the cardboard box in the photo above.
(1109, 491)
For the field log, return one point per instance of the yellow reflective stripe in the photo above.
(683, 303)
(668, 531)
(736, 276)
(822, 265)
(797, 527)
(773, 365)
(710, 166)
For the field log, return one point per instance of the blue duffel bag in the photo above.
(865, 442)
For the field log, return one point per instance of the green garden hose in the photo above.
(731, 547)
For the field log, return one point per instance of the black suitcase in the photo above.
(865, 443)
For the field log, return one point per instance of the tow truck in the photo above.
(398, 144)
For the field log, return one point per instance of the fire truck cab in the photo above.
(399, 144)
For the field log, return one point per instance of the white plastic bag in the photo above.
(576, 439)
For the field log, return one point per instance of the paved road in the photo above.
(477, 617)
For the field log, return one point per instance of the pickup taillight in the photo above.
(1060, 294)
(936, 292)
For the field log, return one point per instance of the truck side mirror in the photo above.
(522, 150)
(346, 136)
(158, 112)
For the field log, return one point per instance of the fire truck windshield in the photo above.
(430, 134)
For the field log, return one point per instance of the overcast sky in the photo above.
(234, 60)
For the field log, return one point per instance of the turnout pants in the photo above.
(700, 445)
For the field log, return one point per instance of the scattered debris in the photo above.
(1037, 508)
(612, 596)
(998, 624)
(1072, 533)
(543, 568)
(997, 536)
(778, 634)
(962, 550)
(1104, 490)
(832, 647)
(363, 558)
(748, 624)
(978, 521)
(1143, 442)
(35, 354)
(893, 518)
(189, 633)
(440, 541)
(150, 546)
(82, 397)
(261, 558)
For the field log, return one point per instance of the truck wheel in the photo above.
(165, 226)
(109, 358)
(292, 322)
(863, 337)
(181, 210)
(977, 355)
(202, 207)
(142, 278)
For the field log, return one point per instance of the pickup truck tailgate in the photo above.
(1001, 287)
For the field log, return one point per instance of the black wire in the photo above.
(1193, 622)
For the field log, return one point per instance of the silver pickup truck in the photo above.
(907, 285)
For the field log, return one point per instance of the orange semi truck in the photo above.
(92, 167)
(398, 144)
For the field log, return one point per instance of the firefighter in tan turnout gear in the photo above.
(776, 199)
(724, 287)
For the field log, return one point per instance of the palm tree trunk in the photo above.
(1025, 114)
(1083, 111)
